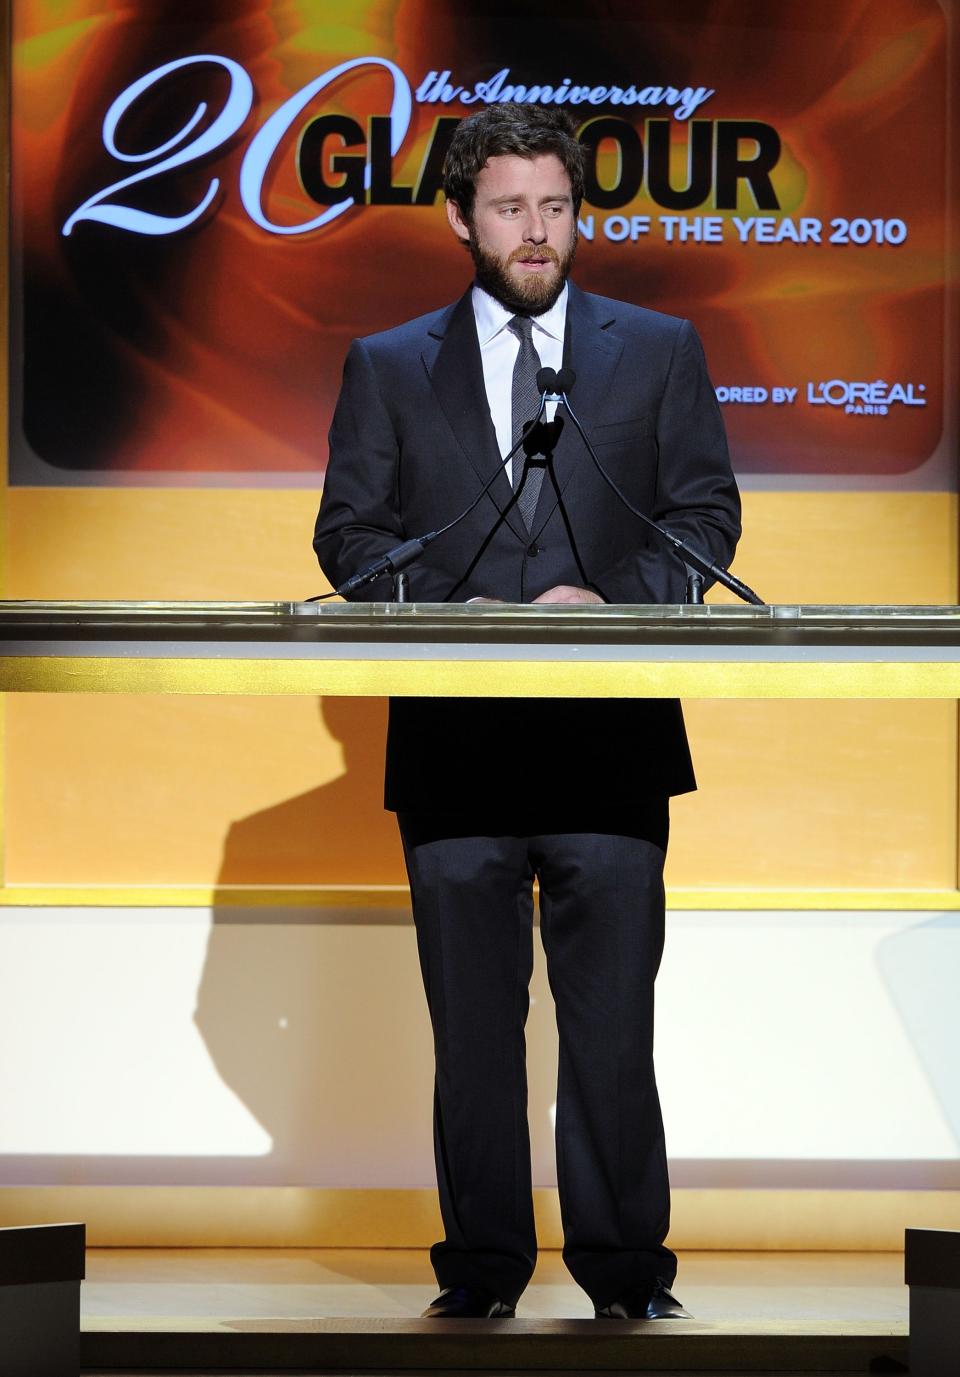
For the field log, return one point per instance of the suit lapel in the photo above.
(592, 350)
(454, 367)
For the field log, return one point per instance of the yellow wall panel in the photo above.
(811, 794)
(852, 547)
(848, 547)
(156, 544)
(243, 791)
(168, 791)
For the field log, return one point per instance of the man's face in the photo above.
(522, 232)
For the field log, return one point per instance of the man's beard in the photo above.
(531, 294)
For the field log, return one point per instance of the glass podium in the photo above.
(427, 649)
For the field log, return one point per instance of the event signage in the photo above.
(716, 164)
(206, 211)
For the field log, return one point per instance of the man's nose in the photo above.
(535, 231)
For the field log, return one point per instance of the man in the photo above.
(491, 795)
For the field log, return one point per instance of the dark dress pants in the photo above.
(602, 927)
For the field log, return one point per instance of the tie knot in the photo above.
(522, 327)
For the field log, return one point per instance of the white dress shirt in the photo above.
(499, 348)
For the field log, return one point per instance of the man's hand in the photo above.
(564, 592)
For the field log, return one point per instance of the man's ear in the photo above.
(458, 224)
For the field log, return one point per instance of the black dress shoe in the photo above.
(651, 1300)
(468, 1303)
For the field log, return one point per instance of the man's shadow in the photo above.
(336, 834)
(314, 1015)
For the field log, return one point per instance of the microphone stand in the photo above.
(694, 587)
(553, 388)
(397, 559)
(698, 566)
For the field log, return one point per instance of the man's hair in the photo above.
(525, 131)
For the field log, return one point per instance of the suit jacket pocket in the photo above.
(623, 432)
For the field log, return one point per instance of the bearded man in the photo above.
(491, 795)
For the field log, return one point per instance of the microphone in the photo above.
(537, 438)
(547, 382)
(554, 383)
(541, 437)
(390, 563)
(561, 383)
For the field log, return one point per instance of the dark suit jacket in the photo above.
(412, 441)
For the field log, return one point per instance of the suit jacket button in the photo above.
(533, 549)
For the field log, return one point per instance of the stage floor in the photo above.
(395, 1283)
(346, 1310)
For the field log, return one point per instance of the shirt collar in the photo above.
(492, 316)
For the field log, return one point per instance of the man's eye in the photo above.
(509, 210)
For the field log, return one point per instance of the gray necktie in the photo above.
(525, 399)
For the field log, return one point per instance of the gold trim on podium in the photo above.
(465, 678)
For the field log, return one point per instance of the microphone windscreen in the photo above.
(565, 379)
(546, 379)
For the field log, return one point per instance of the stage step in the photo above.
(384, 1346)
(932, 1265)
(41, 1267)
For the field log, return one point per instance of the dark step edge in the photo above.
(630, 1349)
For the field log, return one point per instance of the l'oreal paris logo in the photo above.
(865, 398)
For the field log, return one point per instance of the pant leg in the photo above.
(602, 925)
(473, 910)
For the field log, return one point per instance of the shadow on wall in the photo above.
(315, 1017)
(337, 834)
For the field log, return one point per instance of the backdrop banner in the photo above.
(210, 200)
